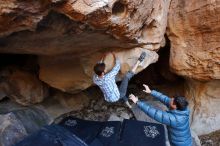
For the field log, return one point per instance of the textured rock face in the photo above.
(22, 87)
(75, 102)
(194, 31)
(64, 73)
(132, 22)
(71, 74)
(70, 36)
(204, 102)
(16, 122)
(72, 30)
(59, 104)
(20, 15)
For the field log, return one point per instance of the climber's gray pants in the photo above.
(124, 85)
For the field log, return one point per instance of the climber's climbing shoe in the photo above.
(142, 56)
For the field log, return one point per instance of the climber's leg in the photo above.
(124, 84)
(140, 59)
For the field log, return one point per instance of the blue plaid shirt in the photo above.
(108, 84)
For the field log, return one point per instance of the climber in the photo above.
(176, 119)
(107, 83)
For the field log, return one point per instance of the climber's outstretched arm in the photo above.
(115, 69)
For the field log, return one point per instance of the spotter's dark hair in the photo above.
(180, 102)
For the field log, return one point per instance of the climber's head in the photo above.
(99, 69)
(179, 103)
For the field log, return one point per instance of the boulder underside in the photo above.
(70, 36)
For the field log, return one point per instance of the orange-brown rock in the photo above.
(64, 73)
(71, 74)
(194, 32)
(22, 87)
(204, 102)
(74, 26)
(68, 31)
(18, 15)
(70, 36)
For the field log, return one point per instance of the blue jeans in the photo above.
(124, 85)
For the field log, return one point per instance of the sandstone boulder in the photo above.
(204, 102)
(17, 122)
(75, 102)
(194, 32)
(21, 86)
(71, 26)
(70, 35)
(64, 73)
(72, 75)
(18, 15)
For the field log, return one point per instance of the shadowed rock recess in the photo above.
(61, 40)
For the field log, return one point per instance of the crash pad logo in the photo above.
(71, 123)
(151, 131)
(107, 132)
